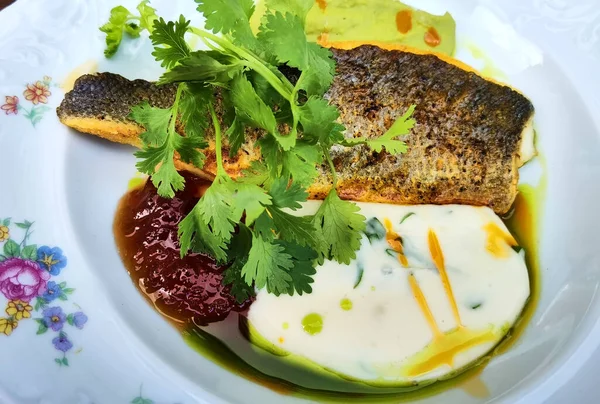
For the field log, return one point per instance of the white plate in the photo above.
(67, 185)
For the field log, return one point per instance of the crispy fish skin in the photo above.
(464, 147)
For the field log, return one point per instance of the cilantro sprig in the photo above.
(249, 222)
(123, 21)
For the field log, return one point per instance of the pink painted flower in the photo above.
(11, 106)
(37, 93)
(22, 279)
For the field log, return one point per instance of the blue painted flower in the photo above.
(79, 319)
(62, 343)
(53, 291)
(54, 318)
(51, 259)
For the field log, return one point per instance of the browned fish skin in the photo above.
(463, 149)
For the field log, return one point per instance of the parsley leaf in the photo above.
(400, 127)
(169, 42)
(340, 228)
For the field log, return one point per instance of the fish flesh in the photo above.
(470, 138)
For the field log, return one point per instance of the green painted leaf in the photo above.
(68, 291)
(62, 284)
(57, 360)
(2, 258)
(36, 114)
(29, 252)
(65, 361)
(6, 222)
(39, 303)
(42, 328)
(63, 298)
(11, 249)
(70, 319)
(22, 225)
(137, 400)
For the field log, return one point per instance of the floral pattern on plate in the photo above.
(37, 94)
(28, 282)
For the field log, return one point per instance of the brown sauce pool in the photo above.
(186, 290)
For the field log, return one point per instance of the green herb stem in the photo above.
(218, 151)
(251, 61)
(331, 166)
(173, 120)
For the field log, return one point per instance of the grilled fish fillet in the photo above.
(470, 138)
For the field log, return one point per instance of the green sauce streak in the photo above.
(312, 323)
(346, 304)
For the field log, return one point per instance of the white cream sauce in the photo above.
(385, 337)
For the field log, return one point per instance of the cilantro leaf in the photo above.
(268, 266)
(251, 199)
(165, 178)
(223, 204)
(301, 162)
(155, 120)
(287, 195)
(215, 207)
(320, 70)
(295, 229)
(122, 20)
(202, 67)
(222, 15)
(169, 42)
(147, 15)
(303, 269)
(161, 141)
(264, 227)
(231, 17)
(236, 134)
(114, 29)
(238, 255)
(340, 228)
(319, 122)
(400, 127)
(194, 109)
(194, 234)
(250, 106)
(284, 36)
(253, 110)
